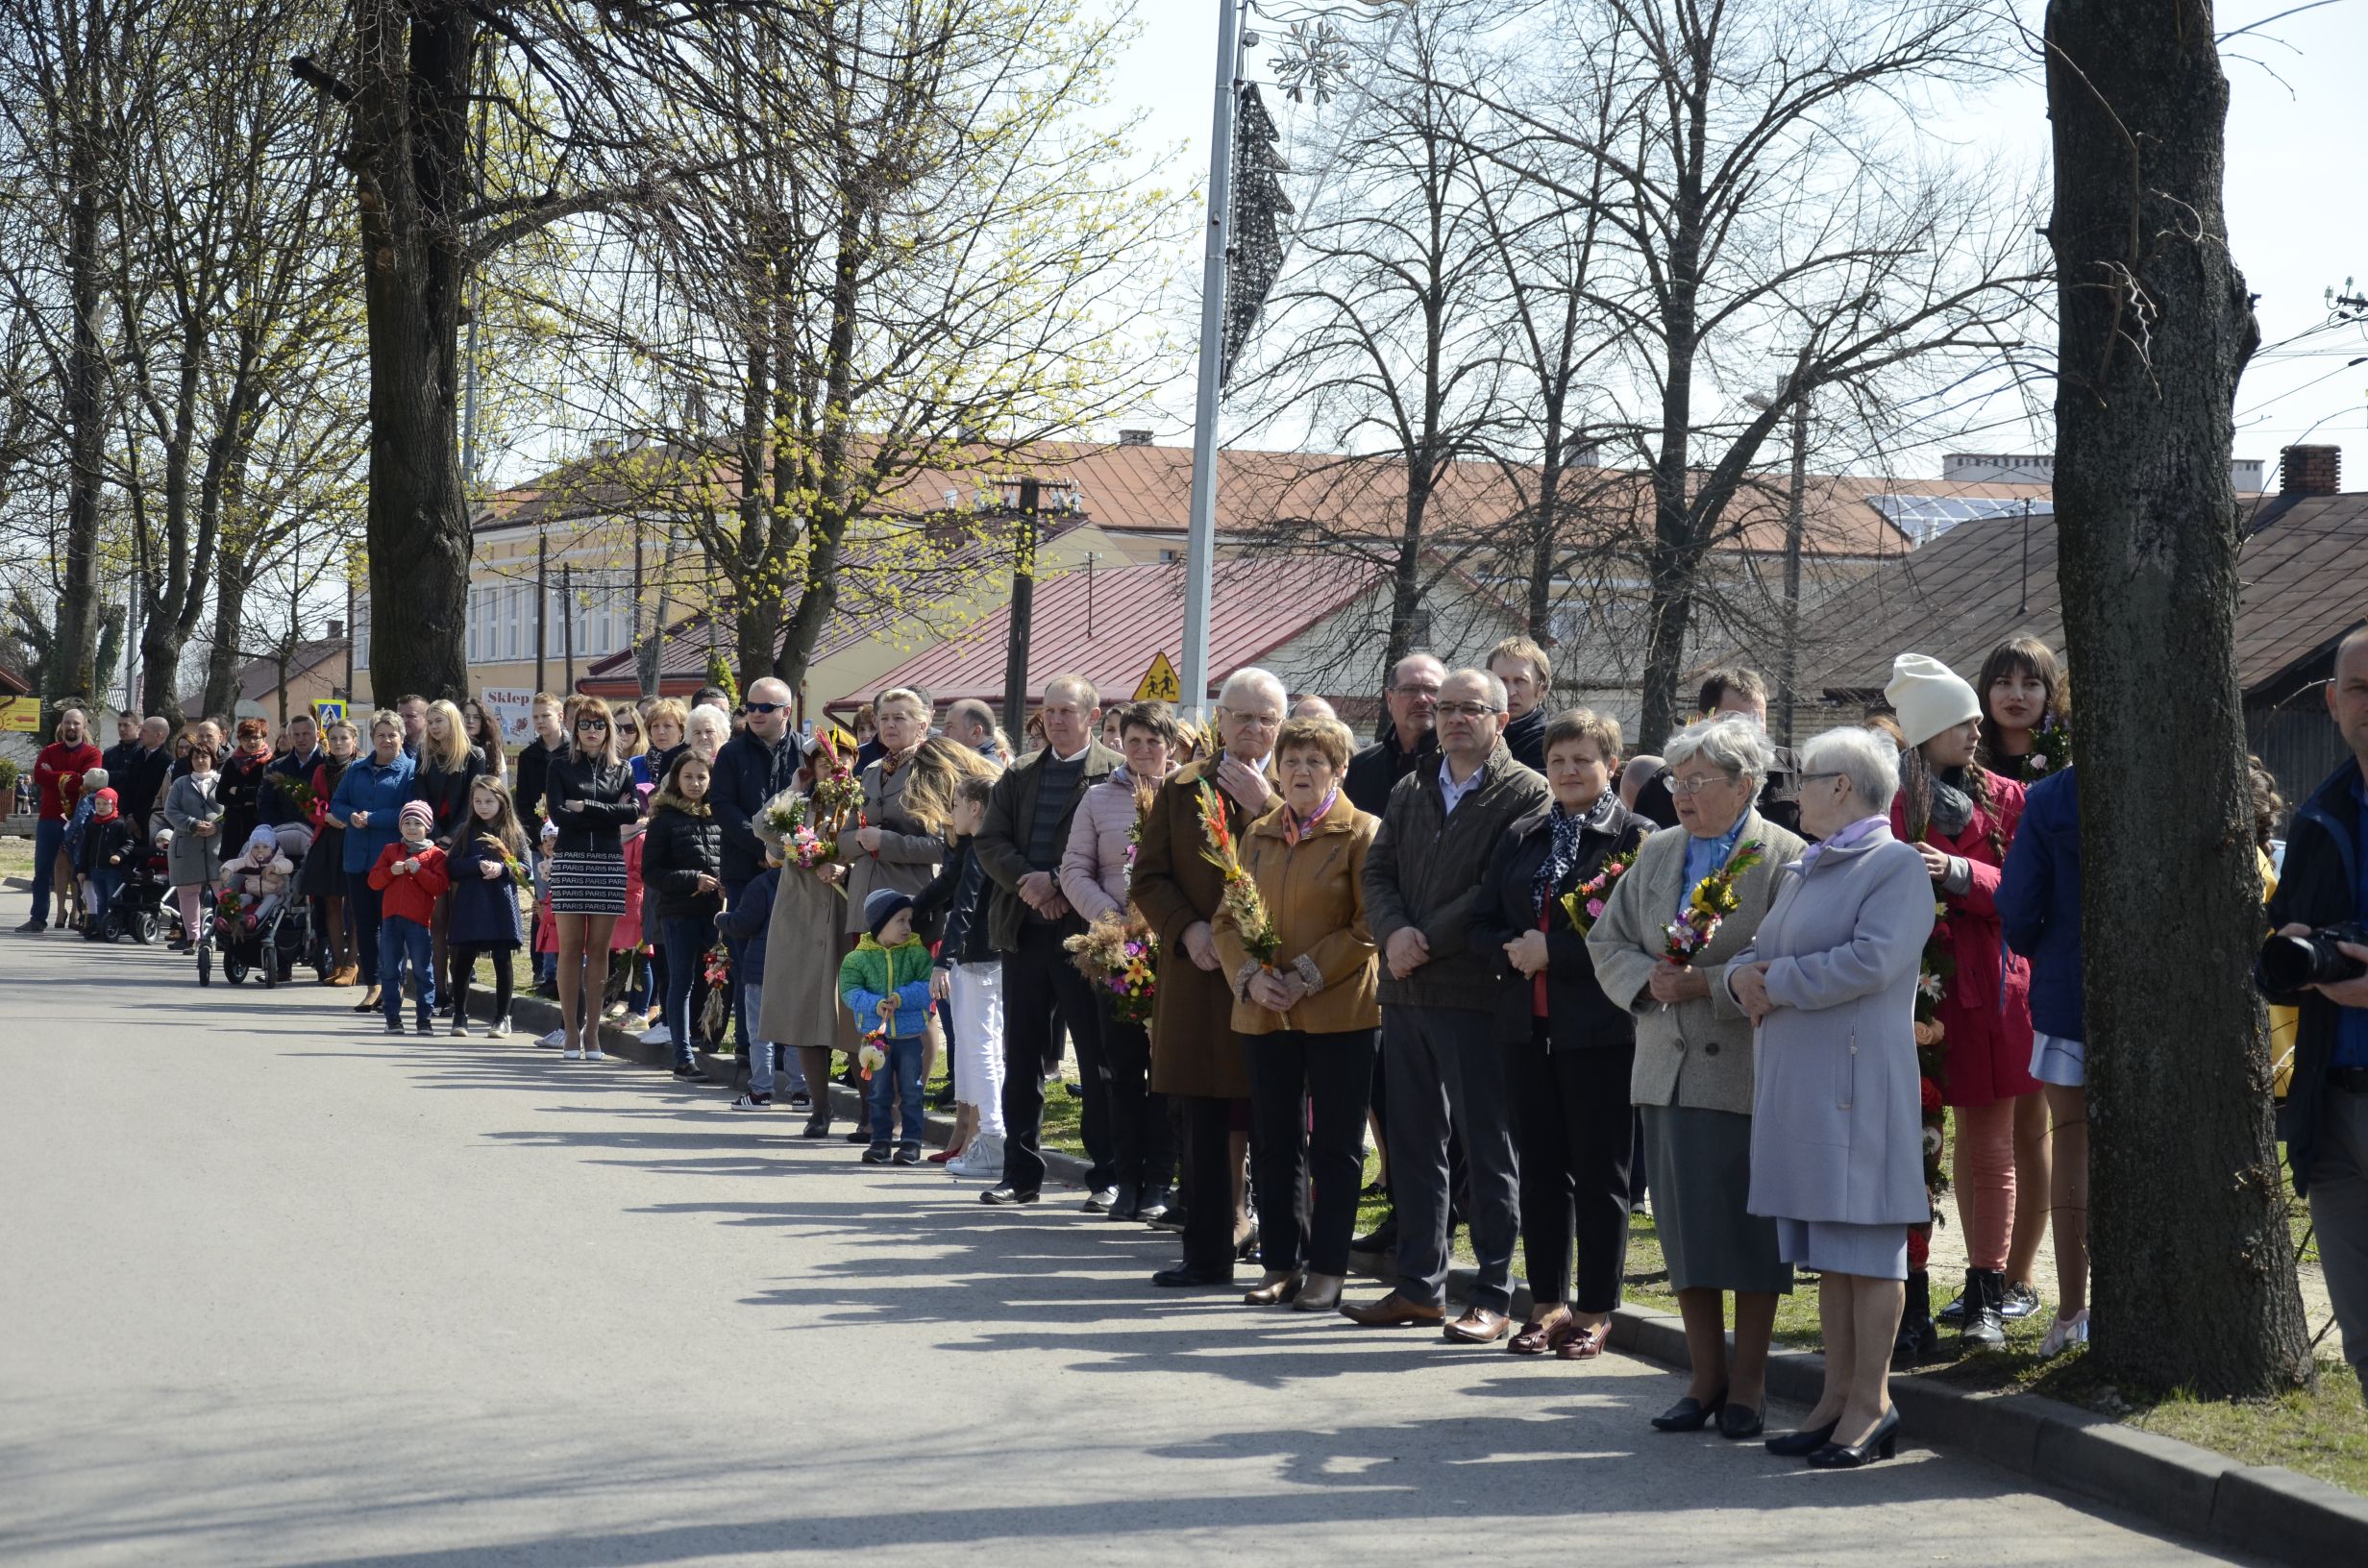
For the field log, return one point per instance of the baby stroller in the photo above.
(268, 947)
(140, 904)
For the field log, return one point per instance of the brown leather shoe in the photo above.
(1478, 1326)
(1392, 1311)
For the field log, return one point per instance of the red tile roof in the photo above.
(1108, 626)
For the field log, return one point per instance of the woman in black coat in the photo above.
(683, 864)
(587, 799)
(1568, 1048)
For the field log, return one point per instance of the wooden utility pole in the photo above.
(542, 612)
(1022, 608)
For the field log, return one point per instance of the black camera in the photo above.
(2288, 963)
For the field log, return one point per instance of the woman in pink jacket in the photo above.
(1961, 817)
(1094, 872)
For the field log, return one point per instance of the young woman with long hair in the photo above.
(2023, 690)
(587, 798)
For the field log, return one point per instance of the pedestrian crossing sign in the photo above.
(329, 710)
(1159, 683)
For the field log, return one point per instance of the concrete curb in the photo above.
(2266, 1509)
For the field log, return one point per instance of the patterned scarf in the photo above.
(1563, 854)
(1295, 827)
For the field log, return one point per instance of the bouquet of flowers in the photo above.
(1240, 900)
(836, 791)
(1120, 955)
(873, 1055)
(2050, 744)
(298, 792)
(718, 972)
(1714, 900)
(511, 863)
(801, 846)
(1934, 972)
(1585, 903)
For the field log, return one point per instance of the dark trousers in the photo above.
(1208, 1183)
(1571, 1118)
(1039, 982)
(1297, 1078)
(735, 950)
(683, 938)
(1447, 1078)
(362, 918)
(1142, 1139)
(48, 841)
(465, 955)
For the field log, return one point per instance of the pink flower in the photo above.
(1595, 909)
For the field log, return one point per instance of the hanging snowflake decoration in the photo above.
(1311, 60)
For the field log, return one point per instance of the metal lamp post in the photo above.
(1200, 538)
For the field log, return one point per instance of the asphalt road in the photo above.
(276, 1288)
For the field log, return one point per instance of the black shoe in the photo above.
(861, 1134)
(1004, 1196)
(1983, 1327)
(1691, 1414)
(33, 926)
(908, 1154)
(1738, 1422)
(1076, 1092)
(690, 1072)
(1184, 1276)
(818, 1126)
(1125, 1202)
(394, 1026)
(1382, 1238)
(1799, 1445)
(1881, 1443)
(426, 1023)
(1953, 1314)
(1918, 1343)
(2019, 1303)
(1171, 1219)
(802, 1101)
(875, 1155)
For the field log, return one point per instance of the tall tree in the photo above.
(2195, 1283)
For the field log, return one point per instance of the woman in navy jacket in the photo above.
(2040, 910)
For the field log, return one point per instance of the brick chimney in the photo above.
(2310, 470)
(336, 630)
(1134, 438)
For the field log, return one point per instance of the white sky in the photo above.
(2295, 215)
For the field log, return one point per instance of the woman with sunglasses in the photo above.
(588, 796)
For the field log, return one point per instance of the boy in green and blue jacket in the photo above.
(885, 983)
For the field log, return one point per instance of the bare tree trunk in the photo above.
(2195, 1280)
(223, 659)
(410, 140)
(72, 666)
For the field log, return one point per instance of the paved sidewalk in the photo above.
(280, 1289)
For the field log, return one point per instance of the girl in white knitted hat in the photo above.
(1961, 817)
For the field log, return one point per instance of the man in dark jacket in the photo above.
(139, 787)
(1528, 674)
(752, 768)
(1412, 700)
(2324, 1124)
(1438, 1002)
(1027, 920)
(119, 756)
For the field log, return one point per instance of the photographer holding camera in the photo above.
(2316, 963)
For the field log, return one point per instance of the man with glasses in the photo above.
(751, 769)
(1446, 1073)
(1412, 698)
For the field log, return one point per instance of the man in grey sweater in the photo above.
(1445, 1072)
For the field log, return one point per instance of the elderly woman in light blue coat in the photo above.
(1838, 1139)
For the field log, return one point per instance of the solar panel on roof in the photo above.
(1926, 518)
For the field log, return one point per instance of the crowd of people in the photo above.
(1544, 981)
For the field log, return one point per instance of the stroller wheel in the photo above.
(143, 926)
(205, 963)
(233, 969)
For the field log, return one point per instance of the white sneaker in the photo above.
(985, 1157)
(2066, 1332)
(659, 1035)
(593, 1053)
(556, 1037)
(569, 1053)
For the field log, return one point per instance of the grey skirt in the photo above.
(1700, 1162)
(1833, 1246)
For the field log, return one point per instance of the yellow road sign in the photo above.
(329, 710)
(1159, 683)
(23, 714)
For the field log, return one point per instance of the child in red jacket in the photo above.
(409, 877)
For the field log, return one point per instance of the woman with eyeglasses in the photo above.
(588, 798)
(1693, 1062)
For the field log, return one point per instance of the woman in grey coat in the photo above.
(1692, 1074)
(194, 809)
(1838, 1141)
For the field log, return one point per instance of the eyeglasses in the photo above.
(628, 729)
(1417, 691)
(1697, 784)
(767, 707)
(1465, 710)
(591, 723)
